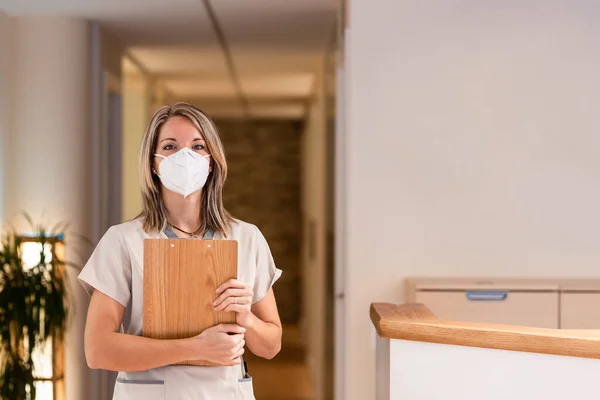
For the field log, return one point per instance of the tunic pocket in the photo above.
(139, 390)
(245, 389)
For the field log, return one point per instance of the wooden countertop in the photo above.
(416, 322)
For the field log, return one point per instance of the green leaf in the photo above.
(34, 306)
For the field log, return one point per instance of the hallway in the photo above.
(286, 377)
(261, 70)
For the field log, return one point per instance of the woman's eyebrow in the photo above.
(169, 138)
(197, 139)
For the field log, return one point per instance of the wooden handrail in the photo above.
(416, 322)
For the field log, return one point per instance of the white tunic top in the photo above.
(116, 269)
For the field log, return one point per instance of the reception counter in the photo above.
(420, 356)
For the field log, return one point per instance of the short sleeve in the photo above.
(109, 268)
(266, 272)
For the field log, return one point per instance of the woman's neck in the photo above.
(184, 213)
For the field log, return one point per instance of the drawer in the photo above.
(580, 310)
(538, 309)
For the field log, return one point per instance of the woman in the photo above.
(182, 170)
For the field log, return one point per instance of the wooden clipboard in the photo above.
(180, 281)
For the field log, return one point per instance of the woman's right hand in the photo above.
(222, 344)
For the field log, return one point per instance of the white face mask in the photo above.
(184, 172)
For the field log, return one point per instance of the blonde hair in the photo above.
(214, 215)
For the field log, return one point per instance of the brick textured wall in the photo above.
(263, 188)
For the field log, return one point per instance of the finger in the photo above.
(236, 361)
(236, 350)
(239, 353)
(230, 293)
(241, 342)
(243, 300)
(240, 308)
(231, 328)
(232, 283)
(232, 301)
(236, 339)
(225, 303)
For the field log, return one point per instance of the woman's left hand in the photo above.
(236, 296)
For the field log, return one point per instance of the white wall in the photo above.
(315, 225)
(471, 148)
(50, 151)
(136, 103)
(5, 102)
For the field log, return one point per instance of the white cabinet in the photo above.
(543, 303)
(580, 310)
(538, 309)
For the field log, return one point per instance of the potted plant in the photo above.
(34, 307)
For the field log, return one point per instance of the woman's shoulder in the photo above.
(247, 233)
(243, 229)
(129, 230)
(127, 227)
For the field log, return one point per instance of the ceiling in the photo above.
(277, 46)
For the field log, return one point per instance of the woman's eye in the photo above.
(198, 147)
(169, 147)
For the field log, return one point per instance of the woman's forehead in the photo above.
(179, 128)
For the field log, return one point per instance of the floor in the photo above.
(286, 377)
